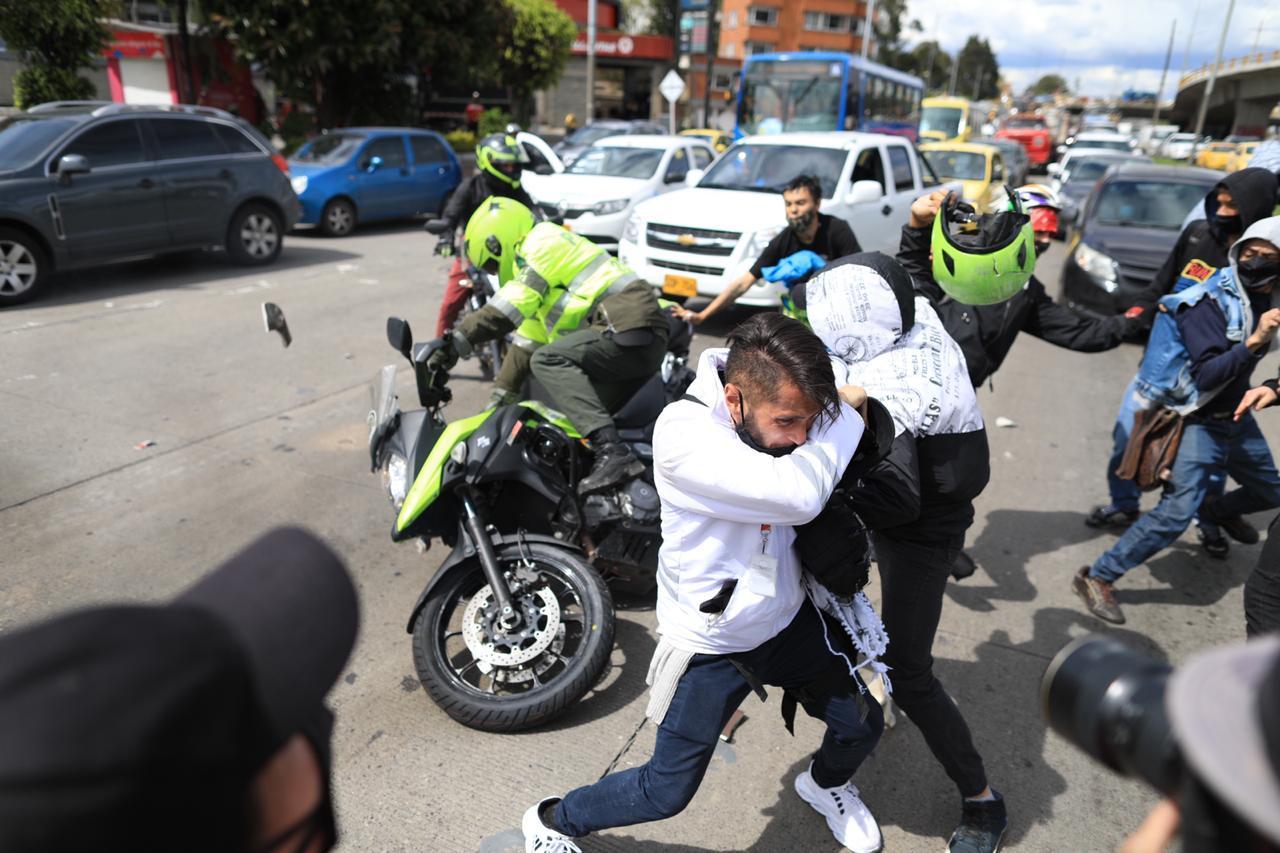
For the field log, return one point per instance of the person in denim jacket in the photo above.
(1205, 343)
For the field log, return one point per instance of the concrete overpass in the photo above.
(1244, 97)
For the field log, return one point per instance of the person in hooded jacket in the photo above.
(1204, 345)
(497, 174)
(986, 333)
(917, 502)
(1231, 207)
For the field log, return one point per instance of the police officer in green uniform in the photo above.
(589, 328)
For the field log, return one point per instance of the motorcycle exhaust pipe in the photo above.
(489, 562)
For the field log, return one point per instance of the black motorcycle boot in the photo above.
(615, 463)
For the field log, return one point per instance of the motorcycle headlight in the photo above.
(604, 208)
(1102, 267)
(631, 231)
(299, 184)
(459, 453)
(395, 479)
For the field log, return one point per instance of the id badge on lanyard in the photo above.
(762, 571)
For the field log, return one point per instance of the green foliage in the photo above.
(930, 62)
(654, 17)
(979, 74)
(462, 141)
(1048, 84)
(890, 23)
(492, 120)
(55, 38)
(536, 50)
(350, 59)
(38, 84)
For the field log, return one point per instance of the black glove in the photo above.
(442, 354)
(444, 248)
(834, 548)
(437, 226)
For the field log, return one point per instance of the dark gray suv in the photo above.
(84, 184)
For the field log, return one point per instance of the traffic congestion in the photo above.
(495, 481)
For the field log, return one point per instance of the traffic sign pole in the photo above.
(671, 87)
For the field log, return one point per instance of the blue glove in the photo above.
(794, 267)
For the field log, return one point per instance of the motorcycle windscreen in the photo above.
(426, 486)
(382, 400)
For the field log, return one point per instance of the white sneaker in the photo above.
(847, 816)
(540, 838)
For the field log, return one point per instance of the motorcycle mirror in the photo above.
(400, 336)
(273, 319)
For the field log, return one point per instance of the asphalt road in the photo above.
(248, 435)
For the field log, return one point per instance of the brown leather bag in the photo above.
(1152, 448)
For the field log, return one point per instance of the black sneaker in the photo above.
(963, 567)
(615, 464)
(1234, 526)
(1111, 516)
(981, 827)
(1214, 544)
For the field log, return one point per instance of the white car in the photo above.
(1177, 146)
(1059, 170)
(597, 193)
(695, 241)
(539, 161)
(1098, 139)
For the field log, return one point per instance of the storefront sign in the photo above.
(623, 46)
(128, 44)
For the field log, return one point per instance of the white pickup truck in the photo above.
(694, 241)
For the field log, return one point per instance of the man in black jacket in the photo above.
(497, 173)
(986, 333)
(1241, 199)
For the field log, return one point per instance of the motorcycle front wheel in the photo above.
(506, 680)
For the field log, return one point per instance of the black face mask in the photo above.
(750, 440)
(801, 223)
(1228, 224)
(1259, 272)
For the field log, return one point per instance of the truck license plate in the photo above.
(679, 285)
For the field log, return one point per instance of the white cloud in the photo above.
(1111, 45)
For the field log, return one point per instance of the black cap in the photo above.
(127, 723)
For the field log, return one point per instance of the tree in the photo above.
(979, 73)
(1049, 84)
(889, 24)
(655, 17)
(56, 38)
(354, 60)
(536, 49)
(929, 61)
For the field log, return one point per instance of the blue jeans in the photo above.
(708, 692)
(1125, 494)
(1207, 448)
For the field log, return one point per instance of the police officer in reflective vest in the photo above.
(589, 328)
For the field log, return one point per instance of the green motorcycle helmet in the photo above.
(494, 234)
(982, 259)
(499, 155)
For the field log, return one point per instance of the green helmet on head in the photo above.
(982, 260)
(493, 234)
(499, 155)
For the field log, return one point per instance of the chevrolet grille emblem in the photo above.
(685, 240)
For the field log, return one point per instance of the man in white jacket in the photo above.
(755, 449)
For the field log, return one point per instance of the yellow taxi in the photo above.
(979, 167)
(717, 139)
(1215, 155)
(1240, 159)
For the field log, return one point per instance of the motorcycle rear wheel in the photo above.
(569, 656)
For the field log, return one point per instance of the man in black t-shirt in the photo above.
(824, 235)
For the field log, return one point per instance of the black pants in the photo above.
(1262, 589)
(913, 577)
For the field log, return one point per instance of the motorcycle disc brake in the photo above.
(492, 646)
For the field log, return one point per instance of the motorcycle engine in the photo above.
(634, 504)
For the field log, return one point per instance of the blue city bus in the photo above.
(818, 91)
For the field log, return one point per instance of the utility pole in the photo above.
(955, 73)
(977, 84)
(1155, 117)
(712, 49)
(1213, 78)
(591, 62)
(1186, 54)
(868, 28)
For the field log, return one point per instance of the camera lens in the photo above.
(1108, 700)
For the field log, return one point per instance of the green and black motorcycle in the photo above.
(517, 623)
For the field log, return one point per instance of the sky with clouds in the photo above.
(1108, 45)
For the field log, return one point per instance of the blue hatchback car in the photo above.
(362, 174)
